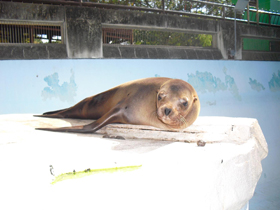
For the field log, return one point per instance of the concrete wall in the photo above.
(82, 34)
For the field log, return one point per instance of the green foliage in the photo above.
(145, 37)
(178, 5)
(38, 41)
(205, 40)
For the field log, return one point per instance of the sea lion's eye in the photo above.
(161, 95)
(185, 103)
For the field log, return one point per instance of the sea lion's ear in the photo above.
(194, 98)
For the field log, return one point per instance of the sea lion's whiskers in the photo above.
(183, 120)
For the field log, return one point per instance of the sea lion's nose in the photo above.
(167, 111)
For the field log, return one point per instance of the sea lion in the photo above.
(164, 103)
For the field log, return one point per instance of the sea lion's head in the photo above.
(177, 104)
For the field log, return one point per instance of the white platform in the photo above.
(173, 174)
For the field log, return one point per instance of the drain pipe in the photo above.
(234, 34)
(239, 7)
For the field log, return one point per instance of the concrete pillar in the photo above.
(84, 32)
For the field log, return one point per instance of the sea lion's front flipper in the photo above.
(113, 116)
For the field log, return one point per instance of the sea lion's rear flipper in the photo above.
(74, 129)
(113, 116)
(51, 114)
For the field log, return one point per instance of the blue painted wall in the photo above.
(225, 88)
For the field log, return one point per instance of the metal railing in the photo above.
(202, 9)
(15, 32)
(255, 15)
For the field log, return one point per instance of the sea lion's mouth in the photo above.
(176, 121)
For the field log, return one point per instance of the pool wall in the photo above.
(225, 88)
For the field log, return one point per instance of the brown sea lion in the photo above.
(164, 103)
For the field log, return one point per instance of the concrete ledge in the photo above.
(33, 51)
(260, 56)
(173, 175)
(160, 52)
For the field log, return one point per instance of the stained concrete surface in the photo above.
(173, 174)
